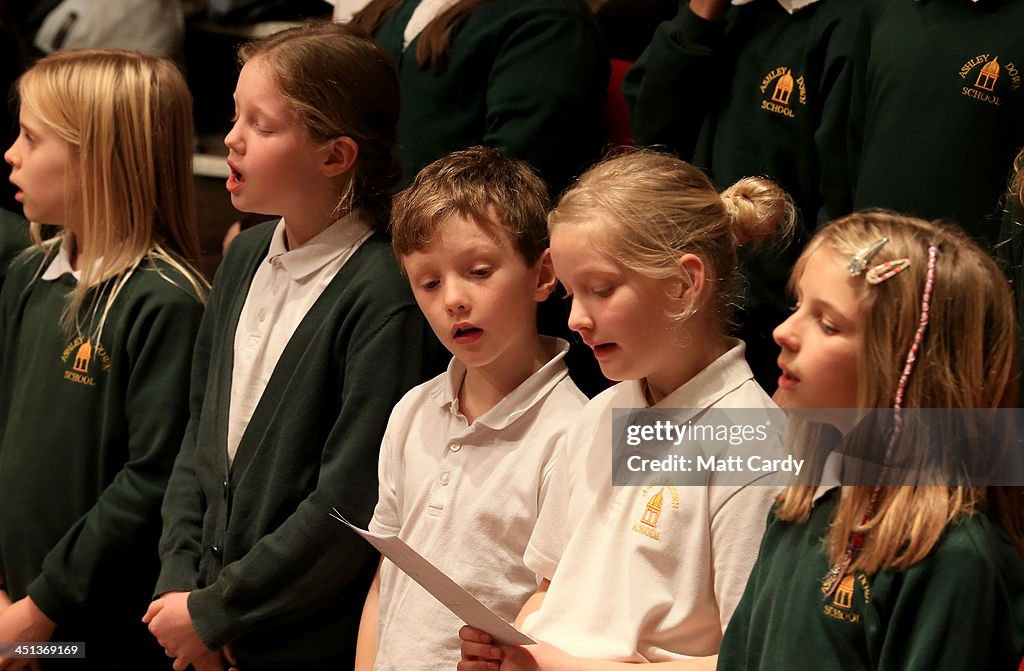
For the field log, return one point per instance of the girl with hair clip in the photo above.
(97, 326)
(646, 247)
(311, 337)
(898, 313)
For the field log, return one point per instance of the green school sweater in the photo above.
(89, 430)
(14, 238)
(527, 77)
(938, 106)
(960, 608)
(761, 92)
(269, 570)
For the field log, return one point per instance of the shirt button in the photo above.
(225, 483)
(444, 478)
(261, 315)
(455, 448)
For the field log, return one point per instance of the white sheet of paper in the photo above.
(443, 588)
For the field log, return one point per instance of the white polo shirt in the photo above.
(618, 593)
(465, 496)
(285, 286)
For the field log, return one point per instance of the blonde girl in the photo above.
(647, 249)
(892, 312)
(97, 325)
(311, 337)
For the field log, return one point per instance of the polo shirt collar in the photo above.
(521, 400)
(61, 263)
(829, 476)
(791, 6)
(724, 375)
(319, 250)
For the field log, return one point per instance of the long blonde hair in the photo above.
(653, 207)
(966, 360)
(127, 119)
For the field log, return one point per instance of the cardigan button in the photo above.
(215, 549)
(225, 483)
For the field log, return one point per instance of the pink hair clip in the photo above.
(884, 271)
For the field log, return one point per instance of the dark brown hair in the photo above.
(432, 48)
(340, 82)
(480, 184)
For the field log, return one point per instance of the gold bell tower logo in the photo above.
(654, 507)
(84, 361)
(783, 88)
(653, 510)
(988, 80)
(989, 75)
(782, 85)
(851, 598)
(83, 357)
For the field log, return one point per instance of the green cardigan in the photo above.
(527, 77)
(269, 570)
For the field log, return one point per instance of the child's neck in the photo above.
(301, 227)
(702, 347)
(485, 387)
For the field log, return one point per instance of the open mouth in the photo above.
(465, 334)
(603, 349)
(787, 380)
(235, 179)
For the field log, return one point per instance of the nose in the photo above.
(9, 155)
(579, 318)
(455, 299)
(233, 139)
(785, 334)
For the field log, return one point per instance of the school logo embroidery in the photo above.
(845, 605)
(653, 509)
(778, 87)
(86, 360)
(987, 79)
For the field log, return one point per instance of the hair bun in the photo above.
(758, 208)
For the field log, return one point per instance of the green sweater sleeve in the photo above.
(301, 565)
(160, 332)
(544, 94)
(683, 55)
(837, 33)
(956, 609)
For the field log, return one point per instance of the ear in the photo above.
(340, 157)
(546, 280)
(691, 266)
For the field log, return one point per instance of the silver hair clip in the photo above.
(884, 271)
(861, 259)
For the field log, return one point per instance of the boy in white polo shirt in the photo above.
(466, 459)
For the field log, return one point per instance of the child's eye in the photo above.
(431, 284)
(603, 292)
(827, 328)
(794, 307)
(567, 296)
(234, 118)
(480, 272)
